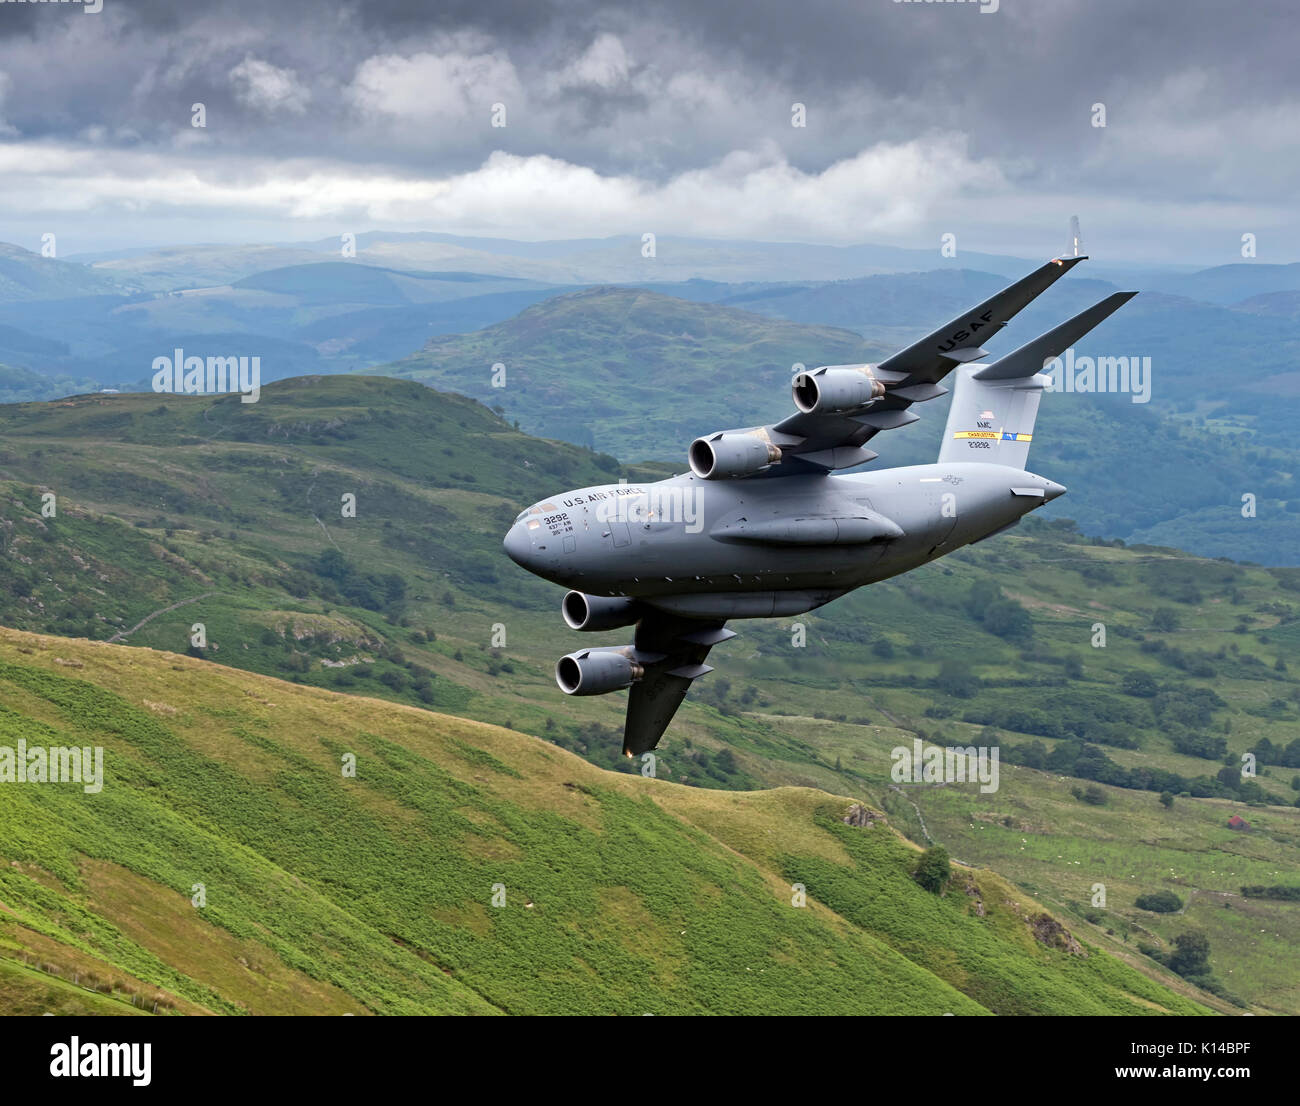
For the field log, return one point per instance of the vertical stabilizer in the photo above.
(994, 405)
(992, 421)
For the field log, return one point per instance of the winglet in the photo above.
(1076, 240)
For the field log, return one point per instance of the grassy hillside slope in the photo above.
(328, 892)
(173, 512)
(628, 370)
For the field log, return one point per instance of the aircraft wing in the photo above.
(672, 651)
(930, 359)
(836, 440)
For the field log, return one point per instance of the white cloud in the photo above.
(905, 193)
(604, 65)
(267, 88)
(434, 86)
(887, 189)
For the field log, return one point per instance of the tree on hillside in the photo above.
(1092, 795)
(1141, 684)
(1191, 955)
(956, 678)
(998, 614)
(934, 869)
(1164, 620)
(1159, 902)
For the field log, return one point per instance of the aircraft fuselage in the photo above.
(769, 546)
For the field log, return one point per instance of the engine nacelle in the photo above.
(835, 389)
(597, 671)
(598, 612)
(731, 453)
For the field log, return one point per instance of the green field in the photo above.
(325, 892)
(174, 511)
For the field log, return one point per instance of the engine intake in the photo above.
(835, 390)
(597, 671)
(731, 453)
(598, 612)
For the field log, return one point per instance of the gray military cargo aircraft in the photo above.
(760, 528)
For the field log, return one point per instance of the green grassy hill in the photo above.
(640, 374)
(604, 367)
(325, 892)
(174, 511)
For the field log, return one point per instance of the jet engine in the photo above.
(598, 612)
(835, 390)
(597, 671)
(731, 453)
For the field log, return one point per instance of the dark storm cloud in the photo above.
(1020, 80)
(1200, 97)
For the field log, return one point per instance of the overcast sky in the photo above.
(672, 117)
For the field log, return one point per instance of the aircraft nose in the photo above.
(518, 545)
(1052, 490)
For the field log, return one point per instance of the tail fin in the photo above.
(994, 405)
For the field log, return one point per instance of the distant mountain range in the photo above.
(598, 366)
(639, 374)
(576, 261)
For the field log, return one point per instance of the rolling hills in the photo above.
(602, 366)
(639, 371)
(232, 864)
(640, 374)
(565, 261)
(204, 510)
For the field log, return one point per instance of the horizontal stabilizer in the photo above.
(1029, 358)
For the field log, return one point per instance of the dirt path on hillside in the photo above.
(162, 610)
